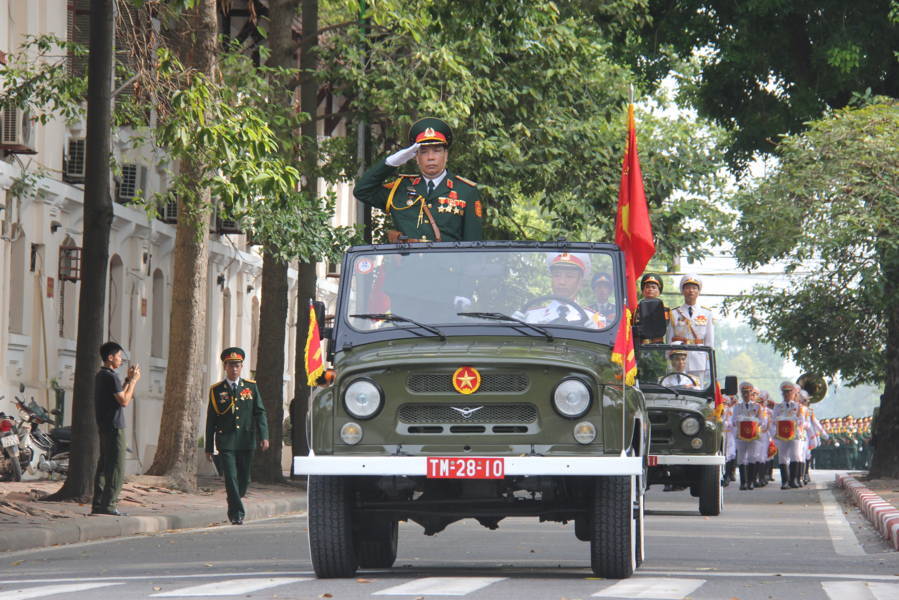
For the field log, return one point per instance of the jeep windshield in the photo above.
(462, 290)
(675, 369)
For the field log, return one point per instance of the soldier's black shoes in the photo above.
(237, 521)
(113, 512)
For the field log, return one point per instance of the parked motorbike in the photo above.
(10, 460)
(45, 452)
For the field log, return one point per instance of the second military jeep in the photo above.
(687, 442)
(470, 383)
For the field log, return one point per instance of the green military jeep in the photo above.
(687, 441)
(473, 380)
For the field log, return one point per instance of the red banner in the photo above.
(315, 364)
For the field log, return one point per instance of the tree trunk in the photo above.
(885, 462)
(270, 363)
(306, 275)
(195, 38)
(273, 310)
(95, 255)
(305, 292)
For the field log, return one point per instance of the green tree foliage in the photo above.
(766, 67)
(832, 209)
(538, 109)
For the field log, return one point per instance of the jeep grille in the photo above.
(490, 418)
(442, 383)
(415, 414)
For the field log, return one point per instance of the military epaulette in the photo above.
(464, 180)
(705, 307)
(250, 380)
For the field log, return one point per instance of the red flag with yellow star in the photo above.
(633, 230)
(315, 364)
(623, 350)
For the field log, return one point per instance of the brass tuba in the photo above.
(814, 385)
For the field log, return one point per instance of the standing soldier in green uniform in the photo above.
(435, 205)
(235, 420)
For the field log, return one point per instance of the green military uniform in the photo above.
(235, 422)
(455, 203)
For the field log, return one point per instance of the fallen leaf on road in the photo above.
(363, 580)
(326, 595)
(156, 588)
(16, 563)
(210, 565)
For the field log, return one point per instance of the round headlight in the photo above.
(571, 398)
(363, 399)
(351, 433)
(690, 426)
(584, 432)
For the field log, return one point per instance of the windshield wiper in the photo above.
(398, 319)
(495, 316)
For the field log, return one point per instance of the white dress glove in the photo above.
(404, 155)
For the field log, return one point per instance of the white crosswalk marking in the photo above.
(440, 586)
(658, 588)
(229, 587)
(860, 590)
(49, 590)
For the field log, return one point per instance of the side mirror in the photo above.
(319, 307)
(651, 314)
(730, 385)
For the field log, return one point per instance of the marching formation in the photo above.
(760, 433)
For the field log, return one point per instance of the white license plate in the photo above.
(9, 440)
(446, 467)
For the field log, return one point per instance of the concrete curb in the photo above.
(883, 515)
(88, 528)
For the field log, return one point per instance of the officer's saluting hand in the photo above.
(435, 205)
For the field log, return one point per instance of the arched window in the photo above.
(67, 301)
(116, 295)
(157, 333)
(18, 267)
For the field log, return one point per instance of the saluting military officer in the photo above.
(691, 323)
(435, 205)
(235, 422)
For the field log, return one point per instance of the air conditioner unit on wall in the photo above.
(73, 170)
(17, 135)
(169, 212)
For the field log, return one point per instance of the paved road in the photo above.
(768, 544)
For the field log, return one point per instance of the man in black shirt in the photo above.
(110, 400)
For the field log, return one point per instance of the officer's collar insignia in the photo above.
(449, 183)
(416, 181)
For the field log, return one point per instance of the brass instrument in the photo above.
(814, 385)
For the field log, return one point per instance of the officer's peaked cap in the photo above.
(431, 131)
(601, 278)
(690, 279)
(233, 353)
(652, 278)
(568, 259)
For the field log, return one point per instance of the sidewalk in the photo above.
(877, 500)
(26, 522)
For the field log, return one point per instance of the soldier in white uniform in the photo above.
(567, 272)
(815, 433)
(678, 376)
(767, 464)
(747, 422)
(789, 430)
(691, 323)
